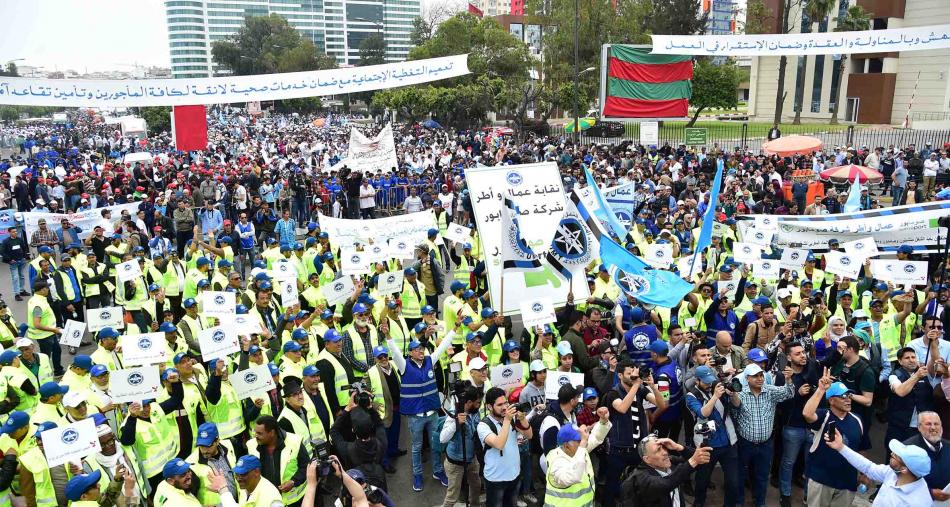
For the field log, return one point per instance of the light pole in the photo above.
(577, 77)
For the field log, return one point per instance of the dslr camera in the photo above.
(705, 429)
(363, 396)
(321, 455)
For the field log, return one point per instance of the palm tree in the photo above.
(855, 19)
(817, 11)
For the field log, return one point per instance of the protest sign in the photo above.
(766, 222)
(338, 290)
(132, 385)
(685, 263)
(900, 272)
(401, 247)
(85, 220)
(353, 262)
(256, 381)
(458, 233)
(659, 255)
(218, 303)
(507, 376)
(758, 237)
(128, 271)
(556, 379)
(390, 282)
(144, 349)
(217, 342)
(842, 264)
(377, 252)
(70, 443)
(861, 248)
(412, 227)
(370, 154)
(537, 312)
(765, 269)
(241, 325)
(730, 286)
(746, 252)
(109, 316)
(72, 333)
(284, 270)
(288, 293)
(793, 259)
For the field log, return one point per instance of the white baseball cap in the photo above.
(24, 342)
(476, 364)
(537, 365)
(73, 399)
(783, 293)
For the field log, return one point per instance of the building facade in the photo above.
(876, 88)
(336, 27)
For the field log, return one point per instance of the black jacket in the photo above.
(647, 487)
(11, 254)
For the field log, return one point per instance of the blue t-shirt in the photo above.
(826, 465)
(500, 466)
(638, 338)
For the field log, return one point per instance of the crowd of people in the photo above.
(778, 385)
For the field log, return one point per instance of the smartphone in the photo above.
(830, 429)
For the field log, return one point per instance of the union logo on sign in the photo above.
(218, 336)
(219, 299)
(747, 249)
(859, 246)
(846, 261)
(145, 343)
(564, 381)
(70, 436)
(355, 259)
(514, 178)
(537, 307)
(766, 265)
(909, 268)
(135, 378)
(338, 287)
(507, 372)
(795, 256)
(127, 267)
(402, 245)
(391, 279)
(250, 377)
(105, 315)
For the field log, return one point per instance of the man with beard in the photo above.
(255, 491)
(794, 428)
(179, 487)
(112, 459)
(938, 449)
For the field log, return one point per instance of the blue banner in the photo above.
(603, 213)
(705, 233)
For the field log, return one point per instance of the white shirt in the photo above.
(447, 201)
(413, 204)
(930, 167)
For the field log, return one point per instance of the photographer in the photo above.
(704, 401)
(498, 432)
(657, 480)
(359, 436)
(755, 417)
(727, 358)
(460, 461)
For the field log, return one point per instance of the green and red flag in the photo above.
(644, 85)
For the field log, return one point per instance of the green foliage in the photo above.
(758, 18)
(158, 118)
(10, 70)
(855, 19)
(304, 105)
(421, 31)
(372, 51)
(9, 113)
(714, 86)
(676, 17)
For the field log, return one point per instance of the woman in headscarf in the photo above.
(837, 328)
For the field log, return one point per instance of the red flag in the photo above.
(475, 10)
(190, 128)
(517, 7)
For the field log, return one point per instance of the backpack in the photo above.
(536, 421)
(479, 446)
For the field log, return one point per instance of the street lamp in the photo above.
(577, 77)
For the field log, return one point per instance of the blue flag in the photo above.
(603, 211)
(854, 197)
(705, 233)
(651, 286)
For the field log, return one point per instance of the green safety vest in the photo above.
(450, 308)
(35, 463)
(48, 318)
(226, 413)
(358, 352)
(288, 464)
(8, 336)
(308, 430)
(400, 333)
(463, 270)
(13, 377)
(340, 379)
(890, 334)
(167, 495)
(67, 285)
(156, 441)
(44, 373)
(580, 494)
(412, 304)
(264, 495)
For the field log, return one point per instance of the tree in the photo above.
(433, 14)
(785, 16)
(855, 19)
(758, 18)
(10, 71)
(817, 11)
(9, 113)
(676, 17)
(372, 51)
(158, 118)
(714, 87)
(267, 45)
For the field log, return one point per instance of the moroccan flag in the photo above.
(190, 128)
(643, 85)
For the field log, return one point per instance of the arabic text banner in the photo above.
(830, 43)
(221, 90)
(369, 155)
(345, 232)
(546, 224)
(86, 220)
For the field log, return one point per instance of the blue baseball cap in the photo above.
(181, 355)
(260, 264)
(380, 350)
(905, 249)
(45, 249)
(392, 304)
(366, 299)
(880, 286)
(291, 347)
(568, 433)
(469, 293)
(311, 241)
(78, 485)
(360, 308)
(915, 458)
(466, 246)
(167, 372)
(7, 357)
(226, 240)
(332, 336)
(836, 389)
(167, 327)
(311, 371)
(253, 349)
(271, 240)
(488, 312)
(457, 286)
(207, 434)
(470, 337)
(590, 392)
(262, 276)
(203, 283)
(240, 309)
(327, 257)
(286, 248)
(247, 463)
(432, 232)
(324, 235)
(203, 261)
(17, 420)
(409, 272)
(188, 303)
(175, 468)
(154, 287)
(48, 425)
(757, 355)
(510, 345)
(761, 300)
(414, 344)
(705, 374)
(299, 334)
(274, 370)
(427, 309)
(98, 370)
(298, 246)
(82, 361)
(659, 347)
(312, 226)
(420, 327)
(326, 314)
(50, 389)
(224, 263)
(265, 285)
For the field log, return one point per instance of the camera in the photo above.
(524, 408)
(732, 385)
(363, 396)
(646, 372)
(321, 455)
(705, 429)
(718, 361)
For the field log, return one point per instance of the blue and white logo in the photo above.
(514, 178)
(910, 268)
(565, 380)
(337, 287)
(845, 261)
(105, 315)
(219, 299)
(70, 436)
(507, 372)
(250, 377)
(145, 343)
(135, 379)
(355, 259)
(537, 307)
(218, 336)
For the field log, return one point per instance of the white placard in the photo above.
(128, 270)
(134, 384)
(110, 316)
(458, 233)
(256, 381)
(401, 247)
(556, 379)
(217, 342)
(765, 269)
(861, 248)
(659, 256)
(284, 270)
(377, 252)
(412, 227)
(900, 272)
(766, 222)
(746, 252)
(793, 259)
(144, 349)
(842, 264)
(70, 443)
(507, 376)
(72, 333)
(685, 264)
(649, 133)
(758, 237)
(730, 286)
(241, 325)
(353, 262)
(537, 312)
(338, 290)
(369, 155)
(390, 282)
(288, 293)
(218, 303)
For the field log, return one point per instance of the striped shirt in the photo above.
(755, 416)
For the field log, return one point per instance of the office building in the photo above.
(336, 27)
(876, 87)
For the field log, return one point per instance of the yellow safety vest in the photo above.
(411, 303)
(167, 495)
(156, 441)
(205, 495)
(288, 465)
(35, 463)
(14, 378)
(44, 373)
(463, 270)
(358, 352)
(580, 494)
(48, 318)
(226, 413)
(340, 379)
(310, 429)
(68, 284)
(264, 495)
(376, 386)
